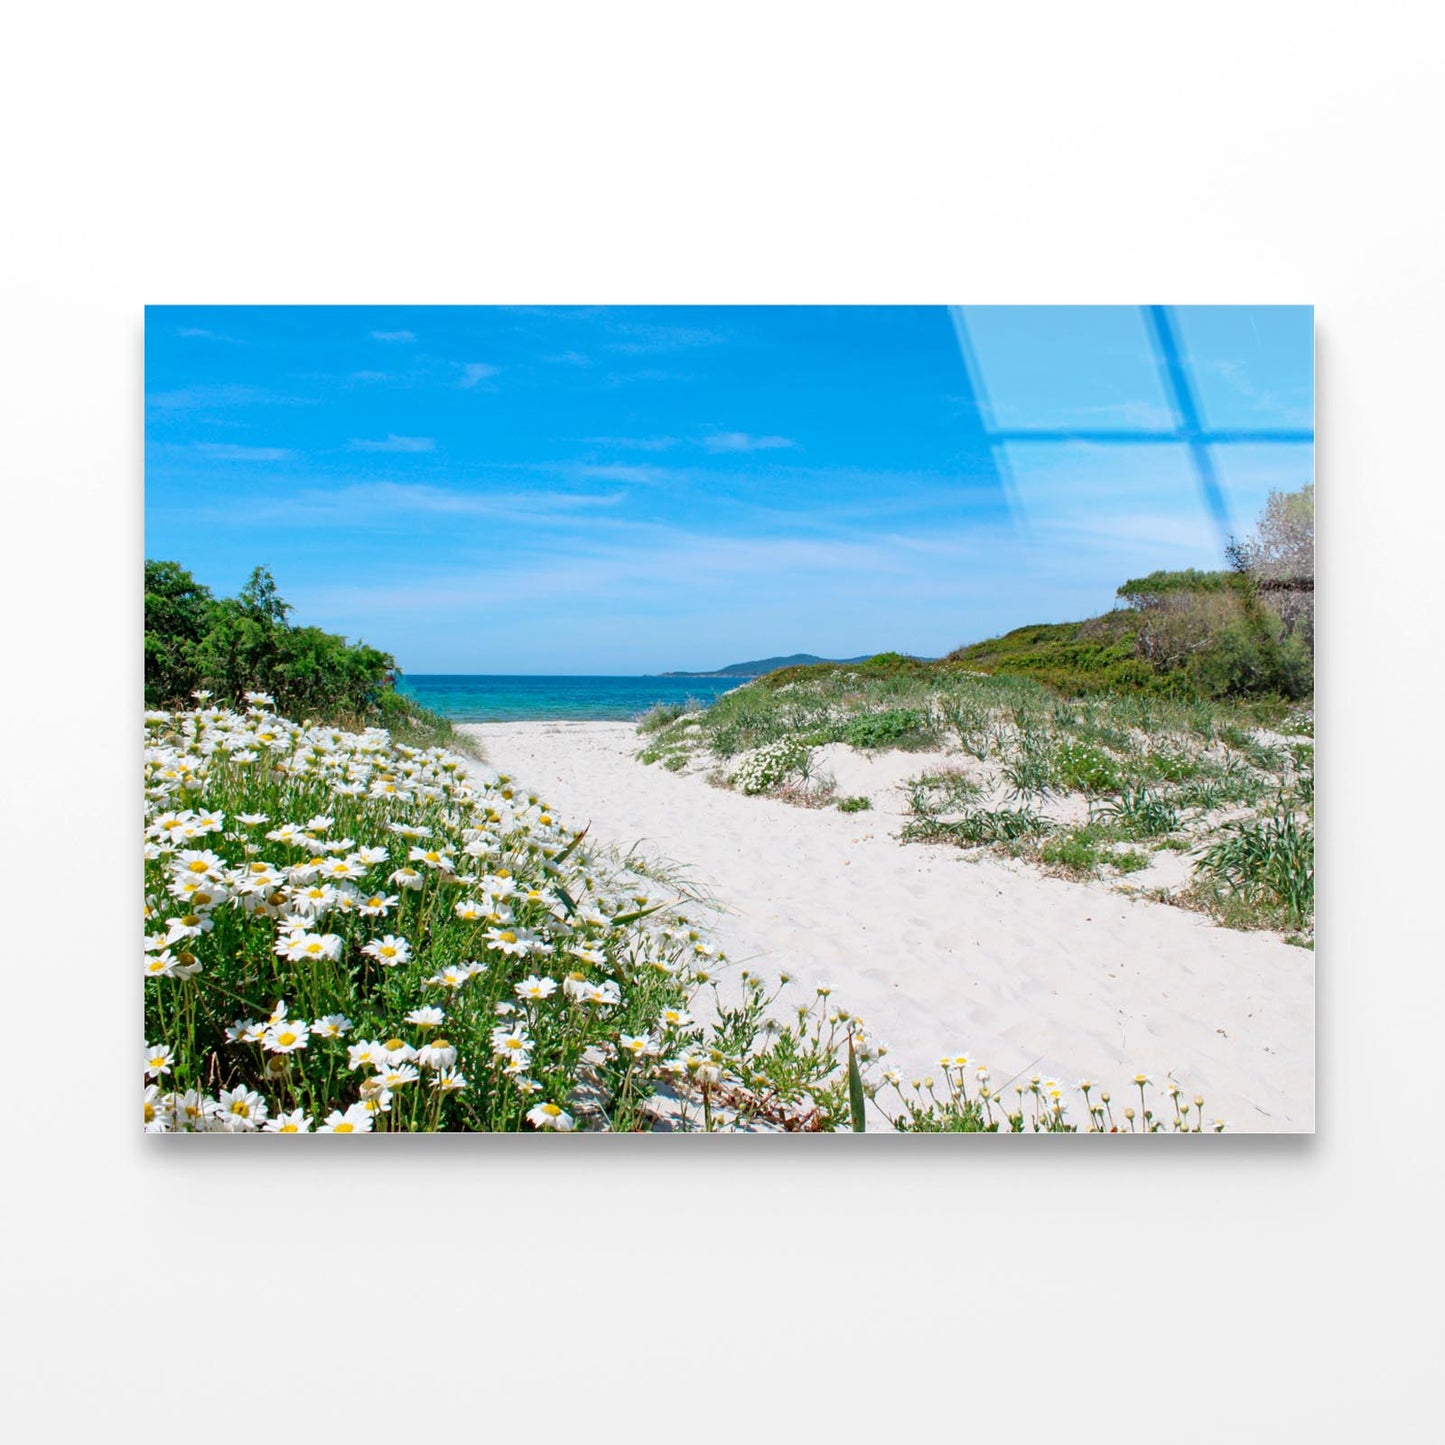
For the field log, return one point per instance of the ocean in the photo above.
(579, 699)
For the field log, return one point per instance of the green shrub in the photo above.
(894, 728)
(854, 805)
(1072, 853)
(233, 645)
(1140, 813)
(1083, 769)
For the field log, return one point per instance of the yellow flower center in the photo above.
(395, 1044)
(286, 1039)
(198, 865)
(344, 1127)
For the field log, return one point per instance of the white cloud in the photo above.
(741, 441)
(226, 452)
(389, 504)
(196, 398)
(620, 472)
(394, 443)
(474, 372)
(640, 444)
(569, 358)
(393, 336)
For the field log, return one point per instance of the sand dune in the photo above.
(944, 952)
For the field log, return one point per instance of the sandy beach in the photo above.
(944, 952)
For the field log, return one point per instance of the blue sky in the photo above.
(636, 489)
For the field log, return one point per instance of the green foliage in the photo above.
(1083, 769)
(1129, 861)
(980, 826)
(897, 727)
(1140, 813)
(235, 645)
(664, 714)
(1268, 863)
(1073, 853)
(177, 618)
(1070, 657)
(854, 805)
(1145, 592)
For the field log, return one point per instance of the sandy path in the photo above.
(944, 952)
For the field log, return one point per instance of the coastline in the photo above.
(942, 952)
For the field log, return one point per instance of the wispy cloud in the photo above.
(199, 333)
(476, 372)
(393, 443)
(569, 358)
(621, 472)
(368, 376)
(392, 505)
(393, 336)
(640, 339)
(739, 441)
(638, 444)
(226, 452)
(199, 398)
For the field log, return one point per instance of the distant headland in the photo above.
(763, 665)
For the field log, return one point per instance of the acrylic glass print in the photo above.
(487, 788)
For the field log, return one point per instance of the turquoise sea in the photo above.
(522, 699)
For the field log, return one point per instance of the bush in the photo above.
(770, 766)
(854, 805)
(886, 729)
(234, 645)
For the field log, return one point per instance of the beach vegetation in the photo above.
(230, 646)
(346, 934)
(854, 805)
(1267, 865)
(1173, 721)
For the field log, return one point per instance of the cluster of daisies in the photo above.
(1041, 1105)
(347, 935)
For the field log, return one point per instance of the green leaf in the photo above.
(633, 917)
(567, 851)
(855, 1091)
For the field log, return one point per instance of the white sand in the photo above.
(942, 951)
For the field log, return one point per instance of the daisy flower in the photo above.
(356, 1120)
(285, 1036)
(295, 1122)
(511, 1044)
(436, 1054)
(389, 951)
(241, 1109)
(549, 1116)
(158, 1060)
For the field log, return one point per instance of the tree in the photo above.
(1279, 561)
(177, 618)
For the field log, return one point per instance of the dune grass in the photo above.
(1089, 785)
